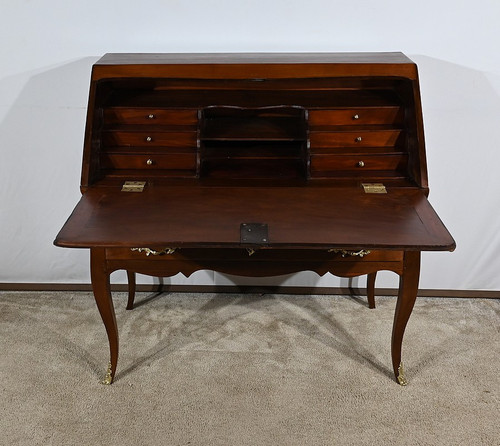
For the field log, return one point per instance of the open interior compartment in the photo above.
(263, 142)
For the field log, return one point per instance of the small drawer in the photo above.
(359, 163)
(356, 116)
(378, 138)
(150, 116)
(173, 161)
(149, 139)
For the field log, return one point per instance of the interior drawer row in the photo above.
(389, 115)
(318, 140)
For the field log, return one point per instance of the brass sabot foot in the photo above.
(108, 379)
(401, 375)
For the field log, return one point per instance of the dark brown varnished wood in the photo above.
(370, 289)
(285, 140)
(131, 289)
(211, 217)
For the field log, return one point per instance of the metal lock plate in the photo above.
(254, 234)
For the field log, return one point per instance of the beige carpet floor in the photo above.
(206, 369)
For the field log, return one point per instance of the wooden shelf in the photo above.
(239, 142)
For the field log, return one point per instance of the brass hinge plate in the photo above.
(374, 188)
(133, 186)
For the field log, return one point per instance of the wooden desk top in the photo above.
(248, 65)
(297, 217)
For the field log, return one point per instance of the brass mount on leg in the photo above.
(401, 375)
(108, 379)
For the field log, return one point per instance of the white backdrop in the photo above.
(45, 59)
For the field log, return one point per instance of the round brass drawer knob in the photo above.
(359, 139)
(149, 162)
(151, 116)
(356, 116)
(149, 139)
(361, 164)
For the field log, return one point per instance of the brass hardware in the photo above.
(356, 116)
(149, 139)
(108, 378)
(151, 116)
(374, 188)
(361, 164)
(359, 139)
(149, 162)
(250, 251)
(361, 253)
(133, 186)
(152, 252)
(401, 375)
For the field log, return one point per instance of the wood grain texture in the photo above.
(207, 217)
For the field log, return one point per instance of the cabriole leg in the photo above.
(102, 294)
(408, 288)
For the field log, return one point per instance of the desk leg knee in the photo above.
(102, 295)
(408, 288)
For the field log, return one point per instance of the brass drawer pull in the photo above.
(149, 162)
(344, 253)
(356, 116)
(359, 139)
(149, 139)
(361, 164)
(151, 116)
(152, 252)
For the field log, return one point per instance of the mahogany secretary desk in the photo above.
(255, 165)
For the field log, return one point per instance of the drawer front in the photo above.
(356, 116)
(359, 163)
(206, 255)
(174, 161)
(148, 116)
(379, 138)
(149, 139)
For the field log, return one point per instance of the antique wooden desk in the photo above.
(255, 165)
